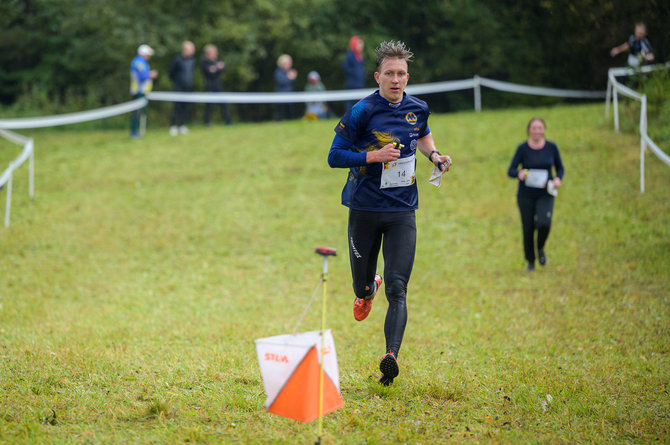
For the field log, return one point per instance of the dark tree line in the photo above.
(58, 55)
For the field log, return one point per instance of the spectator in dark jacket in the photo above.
(212, 68)
(285, 76)
(638, 47)
(181, 74)
(354, 67)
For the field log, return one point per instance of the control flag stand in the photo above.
(325, 252)
(300, 373)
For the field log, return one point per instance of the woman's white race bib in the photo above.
(398, 173)
(536, 178)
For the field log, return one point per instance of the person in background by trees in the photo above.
(315, 110)
(638, 47)
(141, 82)
(285, 76)
(354, 67)
(537, 185)
(212, 68)
(181, 74)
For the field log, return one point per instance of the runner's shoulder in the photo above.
(415, 101)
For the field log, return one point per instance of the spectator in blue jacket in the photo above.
(181, 74)
(141, 82)
(354, 67)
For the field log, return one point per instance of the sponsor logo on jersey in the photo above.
(411, 118)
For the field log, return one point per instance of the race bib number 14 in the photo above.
(398, 173)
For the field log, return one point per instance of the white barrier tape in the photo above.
(252, 98)
(440, 87)
(14, 137)
(259, 98)
(73, 118)
(623, 71)
(657, 151)
(623, 89)
(301, 96)
(27, 151)
(645, 140)
(16, 163)
(539, 91)
(341, 95)
(4, 177)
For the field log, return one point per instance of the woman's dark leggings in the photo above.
(536, 213)
(398, 232)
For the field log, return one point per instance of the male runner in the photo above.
(378, 140)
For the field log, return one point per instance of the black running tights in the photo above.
(536, 214)
(397, 232)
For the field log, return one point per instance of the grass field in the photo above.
(134, 283)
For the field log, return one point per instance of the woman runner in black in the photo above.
(537, 188)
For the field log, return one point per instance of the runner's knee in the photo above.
(543, 222)
(396, 290)
(359, 290)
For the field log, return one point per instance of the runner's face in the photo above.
(640, 32)
(392, 78)
(536, 130)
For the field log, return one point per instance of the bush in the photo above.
(657, 89)
(656, 86)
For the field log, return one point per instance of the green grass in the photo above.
(134, 283)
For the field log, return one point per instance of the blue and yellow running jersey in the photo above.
(140, 76)
(371, 124)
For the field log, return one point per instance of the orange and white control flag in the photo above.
(290, 369)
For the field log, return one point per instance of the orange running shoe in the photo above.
(362, 306)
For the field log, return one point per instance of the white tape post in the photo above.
(7, 175)
(614, 87)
